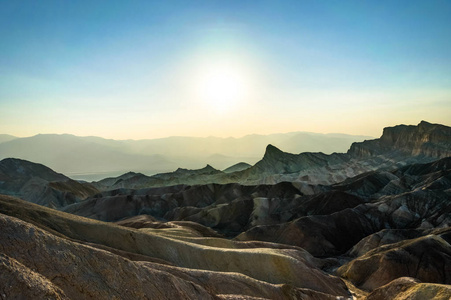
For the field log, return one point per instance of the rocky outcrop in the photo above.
(276, 161)
(397, 200)
(425, 258)
(38, 184)
(426, 139)
(17, 280)
(410, 288)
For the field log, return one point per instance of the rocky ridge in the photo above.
(76, 256)
(426, 139)
(377, 225)
(398, 146)
(39, 184)
(399, 220)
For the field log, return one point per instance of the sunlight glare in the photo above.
(222, 88)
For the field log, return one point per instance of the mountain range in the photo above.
(386, 153)
(94, 158)
(372, 223)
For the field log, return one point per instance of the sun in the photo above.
(222, 87)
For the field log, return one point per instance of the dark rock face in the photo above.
(431, 140)
(329, 222)
(417, 202)
(38, 184)
(426, 258)
(230, 208)
(18, 280)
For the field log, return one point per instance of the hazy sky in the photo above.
(146, 69)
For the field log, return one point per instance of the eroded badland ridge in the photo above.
(372, 223)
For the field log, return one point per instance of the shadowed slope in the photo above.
(39, 184)
(271, 265)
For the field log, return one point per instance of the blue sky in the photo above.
(127, 69)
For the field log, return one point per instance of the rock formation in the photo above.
(398, 146)
(373, 223)
(73, 256)
(430, 140)
(39, 184)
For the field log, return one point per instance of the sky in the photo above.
(151, 69)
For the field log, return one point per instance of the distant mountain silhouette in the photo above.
(94, 158)
(72, 155)
(6, 138)
(428, 142)
(431, 142)
(237, 167)
(180, 176)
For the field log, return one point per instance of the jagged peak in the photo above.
(272, 150)
(208, 167)
(423, 122)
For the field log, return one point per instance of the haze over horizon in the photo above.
(144, 70)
